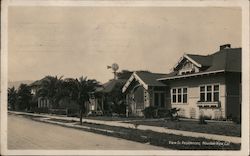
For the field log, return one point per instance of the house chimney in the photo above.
(225, 46)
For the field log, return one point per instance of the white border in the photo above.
(244, 4)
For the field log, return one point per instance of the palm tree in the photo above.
(50, 88)
(12, 97)
(24, 97)
(79, 91)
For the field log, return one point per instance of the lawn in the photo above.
(172, 141)
(221, 128)
(63, 121)
(109, 118)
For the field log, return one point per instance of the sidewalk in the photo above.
(142, 127)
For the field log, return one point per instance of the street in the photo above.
(25, 133)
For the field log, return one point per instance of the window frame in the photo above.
(217, 91)
(212, 92)
(177, 94)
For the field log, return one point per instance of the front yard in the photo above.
(220, 128)
(172, 141)
(212, 127)
(108, 118)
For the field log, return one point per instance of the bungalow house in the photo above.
(198, 85)
(42, 102)
(107, 97)
(111, 93)
(142, 90)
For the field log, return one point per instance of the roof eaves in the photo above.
(134, 76)
(124, 88)
(193, 61)
(141, 81)
(191, 75)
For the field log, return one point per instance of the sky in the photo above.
(82, 41)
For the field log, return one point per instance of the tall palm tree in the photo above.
(12, 97)
(79, 91)
(24, 97)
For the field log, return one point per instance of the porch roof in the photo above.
(151, 78)
(146, 79)
(109, 86)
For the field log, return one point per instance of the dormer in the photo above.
(187, 65)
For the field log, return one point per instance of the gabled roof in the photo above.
(201, 59)
(151, 78)
(228, 60)
(145, 78)
(109, 86)
(225, 60)
(183, 59)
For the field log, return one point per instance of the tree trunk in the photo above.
(81, 113)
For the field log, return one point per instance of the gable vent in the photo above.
(225, 46)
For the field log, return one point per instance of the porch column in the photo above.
(102, 102)
(127, 105)
(47, 101)
(41, 102)
(38, 103)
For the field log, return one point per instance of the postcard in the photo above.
(124, 77)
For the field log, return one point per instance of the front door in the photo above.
(159, 99)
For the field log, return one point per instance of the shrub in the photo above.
(72, 112)
(236, 120)
(41, 110)
(163, 112)
(202, 120)
(150, 112)
(58, 111)
(207, 117)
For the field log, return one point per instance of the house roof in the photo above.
(112, 84)
(201, 59)
(228, 60)
(225, 60)
(151, 78)
(146, 79)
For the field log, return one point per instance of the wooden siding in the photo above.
(139, 97)
(191, 109)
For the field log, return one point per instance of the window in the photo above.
(216, 92)
(179, 95)
(202, 93)
(174, 95)
(184, 96)
(209, 93)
